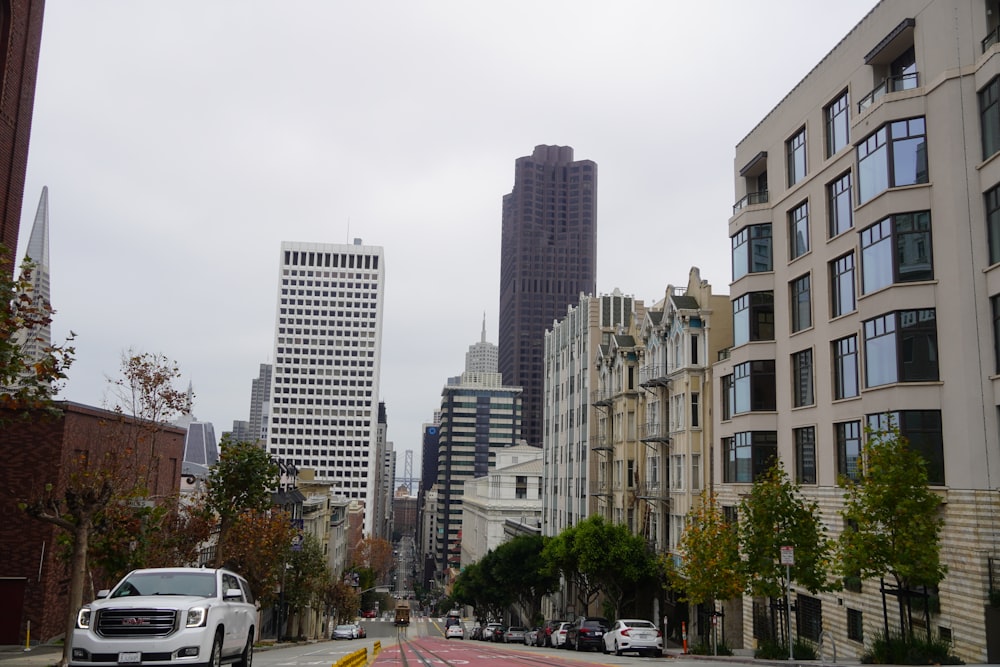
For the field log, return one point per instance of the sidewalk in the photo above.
(40, 655)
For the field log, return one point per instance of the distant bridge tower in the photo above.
(407, 480)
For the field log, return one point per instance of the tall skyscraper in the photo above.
(548, 257)
(327, 359)
(20, 41)
(35, 341)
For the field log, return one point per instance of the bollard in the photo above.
(27, 638)
(684, 636)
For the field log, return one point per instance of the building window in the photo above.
(993, 223)
(728, 397)
(754, 388)
(845, 367)
(989, 116)
(855, 625)
(842, 300)
(809, 617)
(893, 156)
(896, 249)
(922, 430)
(801, 303)
(995, 303)
(677, 478)
(521, 487)
(840, 207)
(696, 472)
(848, 435)
(753, 317)
(795, 154)
(901, 347)
(695, 420)
(802, 378)
(748, 454)
(798, 230)
(837, 125)
(752, 250)
(805, 454)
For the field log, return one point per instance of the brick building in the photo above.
(20, 40)
(34, 582)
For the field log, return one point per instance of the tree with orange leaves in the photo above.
(375, 554)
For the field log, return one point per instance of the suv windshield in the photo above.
(167, 583)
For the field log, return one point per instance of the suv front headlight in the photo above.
(196, 617)
(83, 618)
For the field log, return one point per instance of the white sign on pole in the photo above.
(788, 555)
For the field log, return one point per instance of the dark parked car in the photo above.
(586, 633)
(545, 633)
(498, 632)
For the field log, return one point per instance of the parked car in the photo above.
(514, 634)
(545, 632)
(455, 631)
(362, 633)
(477, 632)
(491, 630)
(368, 613)
(497, 634)
(345, 631)
(531, 636)
(630, 634)
(558, 637)
(586, 632)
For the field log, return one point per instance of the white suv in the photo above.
(163, 616)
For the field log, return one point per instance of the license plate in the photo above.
(131, 658)
(598, 634)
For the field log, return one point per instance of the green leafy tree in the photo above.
(27, 382)
(892, 518)
(711, 568)
(519, 562)
(775, 515)
(241, 481)
(478, 586)
(602, 557)
(306, 576)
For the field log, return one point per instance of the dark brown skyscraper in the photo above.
(20, 39)
(548, 256)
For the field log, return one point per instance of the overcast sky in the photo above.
(183, 141)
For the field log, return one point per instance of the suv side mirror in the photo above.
(233, 594)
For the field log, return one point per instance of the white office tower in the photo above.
(481, 357)
(327, 359)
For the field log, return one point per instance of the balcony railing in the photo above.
(653, 432)
(893, 84)
(652, 375)
(601, 397)
(600, 442)
(750, 200)
(991, 39)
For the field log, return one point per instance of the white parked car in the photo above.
(558, 636)
(635, 635)
(166, 616)
(454, 631)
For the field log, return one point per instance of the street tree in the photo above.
(892, 522)
(240, 482)
(113, 473)
(29, 381)
(375, 554)
(258, 545)
(519, 562)
(305, 580)
(775, 515)
(710, 568)
(478, 586)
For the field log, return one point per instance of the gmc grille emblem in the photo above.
(135, 621)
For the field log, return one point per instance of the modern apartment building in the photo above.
(866, 283)
(570, 452)
(327, 355)
(681, 336)
(548, 258)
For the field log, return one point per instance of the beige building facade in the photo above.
(866, 281)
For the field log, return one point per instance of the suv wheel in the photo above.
(215, 659)
(246, 658)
